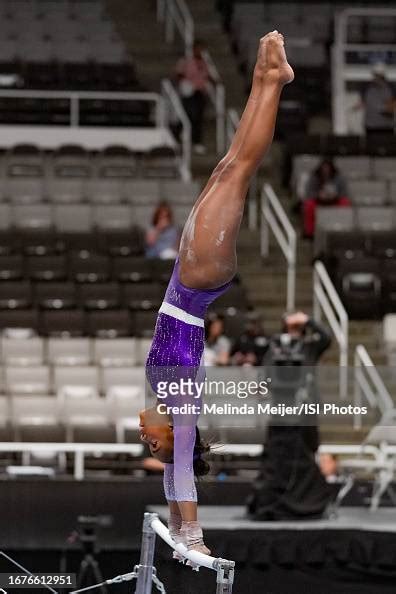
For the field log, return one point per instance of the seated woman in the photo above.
(203, 271)
(326, 187)
(162, 238)
(217, 345)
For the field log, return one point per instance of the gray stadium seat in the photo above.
(27, 380)
(87, 414)
(69, 351)
(181, 214)
(79, 376)
(25, 190)
(73, 218)
(331, 219)
(119, 352)
(143, 347)
(392, 192)
(41, 410)
(5, 216)
(115, 217)
(368, 192)
(125, 403)
(384, 168)
(16, 351)
(389, 338)
(142, 215)
(104, 190)
(66, 190)
(144, 192)
(123, 376)
(71, 50)
(33, 216)
(354, 167)
(375, 218)
(38, 50)
(179, 192)
(5, 412)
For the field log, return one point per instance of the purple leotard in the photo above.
(177, 348)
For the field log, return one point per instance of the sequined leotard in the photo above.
(176, 353)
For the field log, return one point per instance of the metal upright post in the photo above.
(225, 576)
(145, 568)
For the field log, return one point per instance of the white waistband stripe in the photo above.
(180, 314)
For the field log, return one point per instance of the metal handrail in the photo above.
(327, 300)
(176, 15)
(274, 218)
(76, 96)
(78, 449)
(369, 384)
(171, 96)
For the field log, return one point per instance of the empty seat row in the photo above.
(92, 419)
(97, 296)
(80, 218)
(90, 296)
(114, 243)
(29, 188)
(82, 267)
(66, 382)
(78, 322)
(57, 419)
(103, 323)
(35, 350)
(351, 244)
(96, 48)
(379, 145)
(363, 218)
(156, 162)
(90, 76)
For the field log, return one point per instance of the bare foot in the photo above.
(272, 60)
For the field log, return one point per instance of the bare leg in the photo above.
(208, 246)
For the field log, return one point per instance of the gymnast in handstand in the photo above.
(203, 271)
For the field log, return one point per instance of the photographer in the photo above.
(290, 485)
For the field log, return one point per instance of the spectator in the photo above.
(378, 101)
(328, 464)
(217, 345)
(194, 78)
(163, 237)
(326, 187)
(251, 346)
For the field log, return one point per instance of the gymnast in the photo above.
(204, 269)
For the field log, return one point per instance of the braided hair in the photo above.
(201, 466)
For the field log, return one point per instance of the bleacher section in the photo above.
(60, 45)
(308, 35)
(356, 244)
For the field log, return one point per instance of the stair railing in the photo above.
(368, 385)
(176, 16)
(327, 301)
(174, 110)
(275, 219)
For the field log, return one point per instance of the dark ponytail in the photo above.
(201, 467)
